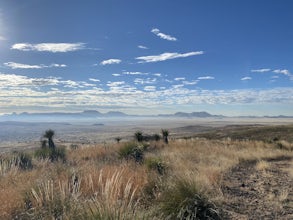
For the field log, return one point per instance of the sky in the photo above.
(230, 57)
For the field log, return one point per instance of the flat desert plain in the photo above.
(27, 135)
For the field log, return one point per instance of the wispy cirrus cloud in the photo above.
(166, 56)
(284, 71)
(179, 78)
(205, 78)
(110, 61)
(49, 47)
(142, 47)
(246, 78)
(149, 88)
(157, 32)
(261, 70)
(14, 65)
(134, 73)
(94, 80)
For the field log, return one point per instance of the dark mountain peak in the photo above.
(193, 114)
(115, 113)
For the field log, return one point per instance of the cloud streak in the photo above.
(110, 61)
(49, 47)
(246, 78)
(261, 70)
(14, 65)
(166, 56)
(157, 32)
(205, 78)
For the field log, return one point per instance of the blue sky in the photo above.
(147, 57)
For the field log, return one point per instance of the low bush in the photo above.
(183, 200)
(53, 154)
(154, 163)
(131, 151)
(24, 161)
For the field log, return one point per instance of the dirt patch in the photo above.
(251, 192)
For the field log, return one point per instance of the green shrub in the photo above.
(183, 200)
(24, 161)
(53, 154)
(131, 151)
(155, 164)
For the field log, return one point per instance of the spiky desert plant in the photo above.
(165, 134)
(118, 139)
(49, 134)
(138, 136)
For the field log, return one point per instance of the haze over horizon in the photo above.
(147, 57)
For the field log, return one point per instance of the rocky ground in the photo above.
(255, 192)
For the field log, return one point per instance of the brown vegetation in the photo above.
(97, 183)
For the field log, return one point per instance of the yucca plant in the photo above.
(49, 134)
(165, 134)
(138, 136)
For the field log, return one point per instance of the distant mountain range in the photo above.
(97, 114)
(88, 114)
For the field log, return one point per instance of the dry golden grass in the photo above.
(97, 181)
(262, 165)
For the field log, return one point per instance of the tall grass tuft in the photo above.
(184, 200)
(53, 201)
(114, 198)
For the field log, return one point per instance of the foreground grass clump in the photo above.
(184, 200)
(53, 154)
(133, 151)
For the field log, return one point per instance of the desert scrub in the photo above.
(155, 163)
(52, 200)
(184, 200)
(53, 154)
(133, 151)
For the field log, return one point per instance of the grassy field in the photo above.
(187, 178)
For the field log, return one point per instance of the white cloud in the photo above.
(193, 82)
(261, 70)
(166, 56)
(157, 32)
(246, 78)
(145, 81)
(14, 65)
(179, 78)
(116, 74)
(205, 77)
(57, 65)
(49, 47)
(25, 93)
(110, 61)
(113, 84)
(150, 88)
(2, 38)
(157, 74)
(284, 71)
(134, 73)
(94, 80)
(142, 47)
